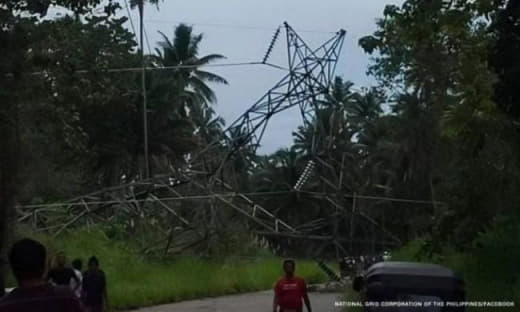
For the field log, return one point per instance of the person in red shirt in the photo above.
(290, 290)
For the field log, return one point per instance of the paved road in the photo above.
(252, 302)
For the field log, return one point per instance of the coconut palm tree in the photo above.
(279, 172)
(331, 125)
(340, 92)
(209, 126)
(183, 50)
(364, 107)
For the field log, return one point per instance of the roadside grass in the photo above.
(135, 281)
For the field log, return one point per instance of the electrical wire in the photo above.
(146, 39)
(130, 69)
(138, 69)
(130, 18)
(214, 196)
(235, 26)
(165, 199)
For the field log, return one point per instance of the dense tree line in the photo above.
(442, 124)
(70, 124)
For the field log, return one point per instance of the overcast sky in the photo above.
(242, 30)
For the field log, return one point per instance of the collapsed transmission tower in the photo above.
(206, 180)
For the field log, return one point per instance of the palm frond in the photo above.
(210, 58)
(193, 48)
(135, 3)
(207, 76)
(200, 87)
(182, 42)
(166, 43)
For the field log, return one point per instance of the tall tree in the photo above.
(94, 106)
(183, 50)
(504, 57)
(17, 18)
(363, 108)
(435, 53)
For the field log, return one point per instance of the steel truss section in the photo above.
(310, 73)
(308, 80)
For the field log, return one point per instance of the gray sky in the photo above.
(245, 31)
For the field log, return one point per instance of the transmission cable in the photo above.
(232, 194)
(130, 18)
(235, 26)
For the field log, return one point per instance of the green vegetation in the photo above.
(441, 126)
(135, 281)
(489, 268)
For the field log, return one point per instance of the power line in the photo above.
(194, 197)
(392, 199)
(136, 69)
(251, 27)
(146, 39)
(235, 26)
(213, 196)
(130, 18)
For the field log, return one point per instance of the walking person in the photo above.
(76, 266)
(62, 275)
(290, 291)
(27, 259)
(94, 288)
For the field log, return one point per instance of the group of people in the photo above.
(66, 289)
(59, 288)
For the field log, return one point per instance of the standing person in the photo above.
(27, 258)
(62, 275)
(76, 266)
(2, 286)
(366, 263)
(94, 287)
(343, 266)
(290, 290)
(362, 263)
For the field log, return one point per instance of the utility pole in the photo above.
(143, 87)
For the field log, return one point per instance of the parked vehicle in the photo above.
(417, 284)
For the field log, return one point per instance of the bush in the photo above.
(490, 268)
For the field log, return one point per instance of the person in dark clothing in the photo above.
(34, 294)
(62, 275)
(76, 266)
(2, 286)
(94, 287)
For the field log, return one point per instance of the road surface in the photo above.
(251, 302)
